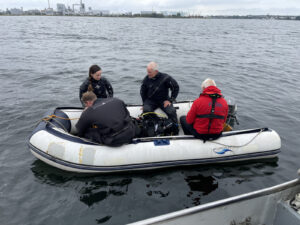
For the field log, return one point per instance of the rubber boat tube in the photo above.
(54, 142)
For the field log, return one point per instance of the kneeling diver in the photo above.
(105, 120)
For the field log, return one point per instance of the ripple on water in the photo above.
(42, 67)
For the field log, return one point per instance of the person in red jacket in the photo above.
(208, 113)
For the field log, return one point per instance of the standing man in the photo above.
(155, 92)
(208, 113)
(105, 120)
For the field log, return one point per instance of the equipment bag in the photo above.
(151, 125)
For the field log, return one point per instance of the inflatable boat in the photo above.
(54, 141)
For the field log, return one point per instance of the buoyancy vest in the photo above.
(212, 114)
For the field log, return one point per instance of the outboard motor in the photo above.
(232, 109)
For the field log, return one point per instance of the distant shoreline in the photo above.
(159, 16)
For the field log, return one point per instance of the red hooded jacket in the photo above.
(202, 106)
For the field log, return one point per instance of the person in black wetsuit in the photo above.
(105, 120)
(96, 83)
(155, 92)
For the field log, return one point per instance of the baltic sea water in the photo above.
(44, 60)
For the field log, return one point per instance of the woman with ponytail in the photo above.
(96, 83)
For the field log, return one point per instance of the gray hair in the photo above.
(153, 66)
(208, 82)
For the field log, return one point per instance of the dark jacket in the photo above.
(157, 89)
(102, 88)
(107, 122)
(202, 106)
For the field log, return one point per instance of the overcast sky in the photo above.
(203, 7)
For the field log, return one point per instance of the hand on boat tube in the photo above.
(167, 103)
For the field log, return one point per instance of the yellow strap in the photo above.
(226, 127)
(49, 117)
(159, 114)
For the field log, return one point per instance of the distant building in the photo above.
(147, 13)
(128, 14)
(48, 12)
(79, 8)
(33, 12)
(61, 9)
(168, 13)
(104, 12)
(16, 11)
(82, 8)
(184, 14)
(69, 10)
(99, 12)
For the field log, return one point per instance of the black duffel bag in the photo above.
(151, 125)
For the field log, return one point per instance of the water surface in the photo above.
(44, 60)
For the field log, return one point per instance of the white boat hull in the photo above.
(63, 150)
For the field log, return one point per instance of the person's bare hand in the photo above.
(166, 103)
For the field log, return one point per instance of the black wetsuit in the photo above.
(102, 88)
(107, 122)
(154, 91)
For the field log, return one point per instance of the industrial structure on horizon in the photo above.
(61, 9)
(79, 9)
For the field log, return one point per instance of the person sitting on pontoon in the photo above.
(208, 113)
(105, 120)
(155, 92)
